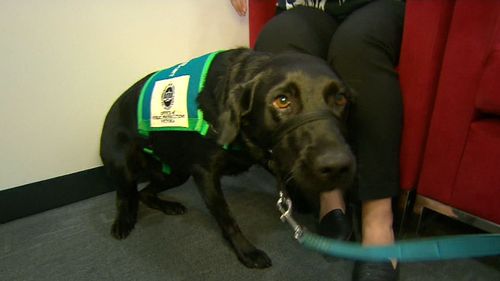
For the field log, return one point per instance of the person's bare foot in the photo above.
(377, 223)
(377, 230)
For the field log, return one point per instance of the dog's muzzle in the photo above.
(289, 126)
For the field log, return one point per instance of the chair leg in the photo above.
(403, 206)
(422, 202)
(418, 210)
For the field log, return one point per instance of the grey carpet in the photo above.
(73, 243)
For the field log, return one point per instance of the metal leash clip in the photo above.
(285, 207)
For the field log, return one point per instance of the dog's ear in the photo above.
(238, 104)
(351, 96)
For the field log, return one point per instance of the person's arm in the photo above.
(240, 6)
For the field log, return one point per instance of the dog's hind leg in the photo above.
(209, 186)
(160, 182)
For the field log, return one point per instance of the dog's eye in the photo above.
(282, 102)
(340, 99)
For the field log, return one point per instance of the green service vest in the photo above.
(168, 99)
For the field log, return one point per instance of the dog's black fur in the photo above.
(246, 97)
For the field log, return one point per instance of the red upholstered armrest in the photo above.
(259, 12)
(462, 156)
(488, 97)
(424, 37)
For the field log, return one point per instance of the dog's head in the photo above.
(293, 109)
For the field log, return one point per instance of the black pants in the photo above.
(363, 49)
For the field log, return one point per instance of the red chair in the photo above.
(259, 12)
(460, 174)
(424, 38)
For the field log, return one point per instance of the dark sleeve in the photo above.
(339, 9)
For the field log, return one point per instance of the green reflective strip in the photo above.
(142, 124)
(198, 125)
(148, 150)
(166, 169)
(204, 72)
(204, 129)
(201, 125)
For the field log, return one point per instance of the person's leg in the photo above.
(377, 222)
(329, 201)
(377, 230)
(308, 30)
(302, 29)
(333, 221)
(364, 51)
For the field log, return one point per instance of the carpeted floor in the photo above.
(73, 243)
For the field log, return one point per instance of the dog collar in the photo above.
(297, 121)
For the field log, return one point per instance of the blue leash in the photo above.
(430, 249)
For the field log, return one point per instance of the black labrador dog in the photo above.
(282, 111)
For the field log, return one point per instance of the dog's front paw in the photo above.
(122, 228)
(255, 259)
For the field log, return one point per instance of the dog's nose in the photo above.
(330, 164)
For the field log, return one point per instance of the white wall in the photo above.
(63, 63)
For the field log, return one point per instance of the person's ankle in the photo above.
(329, 201)
(379, 235)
